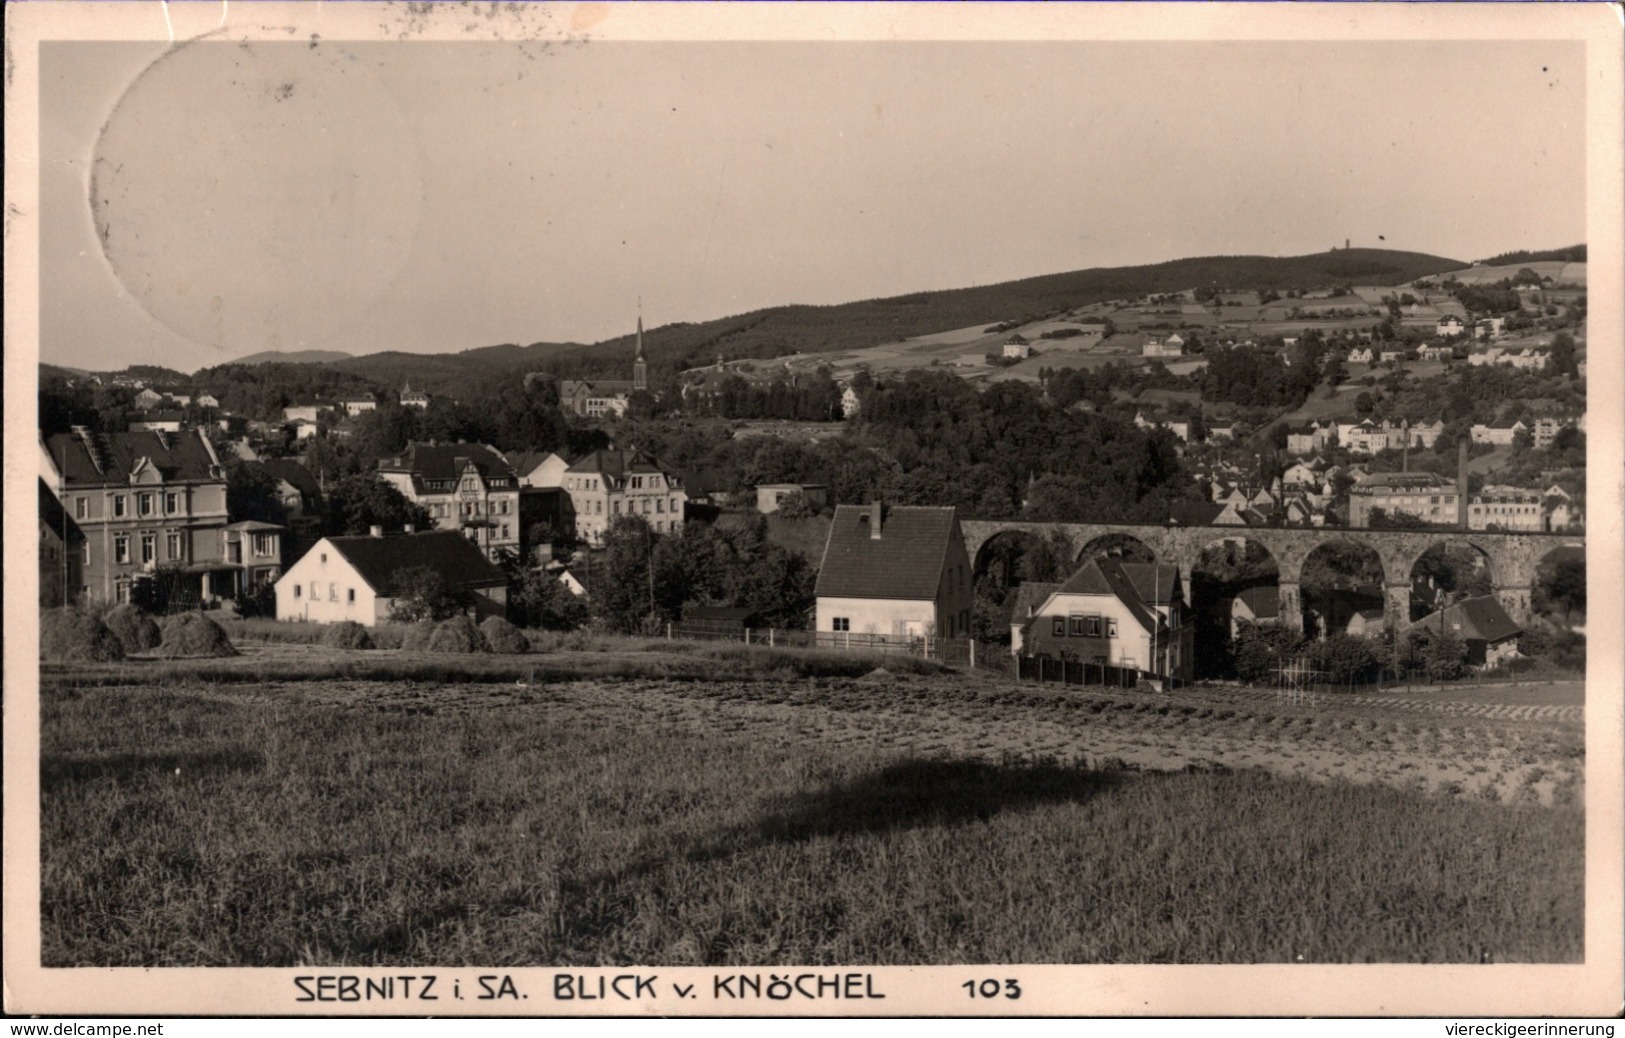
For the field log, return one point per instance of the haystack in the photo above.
(416, 638)
(347, 634)
(193, 634)
(502, 636)
(69, 636)
(135, 630)
(459, 634)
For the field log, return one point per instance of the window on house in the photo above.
(332, 592)
(840, 623)
(505, 531)
(172, 503)
(1057, 627)
(615, 507)
(264, 544)
(118, 504)
(315, 590)
(349, 594)
(143, 504)
(121, 548)
(637, 482)
(1111, 626)
(81, 507)
(121, 591)
(1091, 625)
(173, 543)
(1075, 626)
(297, 589)
(660, 506)
(645, 506)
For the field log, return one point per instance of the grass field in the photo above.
(281, 815)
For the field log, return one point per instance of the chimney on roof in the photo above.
(876, 517)
(375, 530)
(1461, 483)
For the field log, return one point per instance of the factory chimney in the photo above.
(1461, 483)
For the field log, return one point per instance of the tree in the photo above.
(540, 599)
(420, 594)
(795, 506)
(1364, 405)
(357, 503)
(1564, 584)
(623, 594)
(1564, 360)
(251, 493)
(1259, 651)
(1443, 653)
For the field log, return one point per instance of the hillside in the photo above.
(295, 357)
(785, 330)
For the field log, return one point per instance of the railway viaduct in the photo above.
(1512, 557)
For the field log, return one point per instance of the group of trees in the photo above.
(807, 398)
(644, 579)
(1255, 376)
(1261, 651)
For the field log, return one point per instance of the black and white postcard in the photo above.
(813, 510)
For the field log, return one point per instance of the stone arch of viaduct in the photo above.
(1513, 557)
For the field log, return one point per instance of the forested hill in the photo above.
(783, 330)
(830, 329)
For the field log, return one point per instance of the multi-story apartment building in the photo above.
(465, 486)
(1509, 508)
(1422, 494)
(606, 484)
(152, 506)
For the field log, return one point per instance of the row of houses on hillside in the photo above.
(1361, 435)
(1529, 359)
(1542, 430)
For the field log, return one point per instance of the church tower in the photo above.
(640, 367)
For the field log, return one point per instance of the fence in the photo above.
(1076, 672)
(958, 652)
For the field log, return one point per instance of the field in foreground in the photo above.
(792, 820)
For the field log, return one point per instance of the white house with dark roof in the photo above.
(354, 578)
(1121, 614)
(896, 571)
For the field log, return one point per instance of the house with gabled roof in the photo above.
(609, 483)
(1122, 614)
(1029, 596)
(1491, 635)
(356, 578)
(467, 487)
(1259, 605)
(538, 468)
(154, 503)
(894, 572)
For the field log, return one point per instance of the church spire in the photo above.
(640, 367)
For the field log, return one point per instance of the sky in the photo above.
(207, 201)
